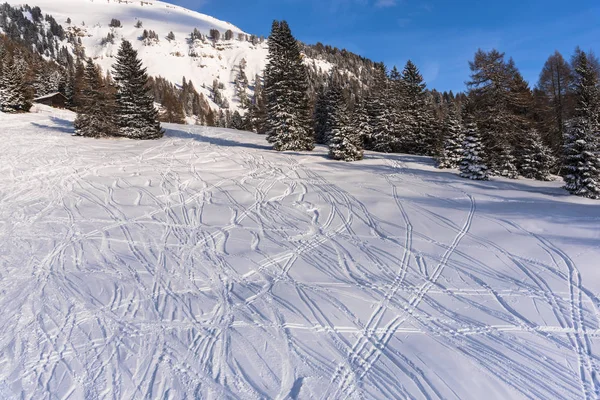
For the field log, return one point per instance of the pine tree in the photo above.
(77, 83)
(320, 115)
(582, 141)
(361, 121)
(472, 165)
(341, 135)
(172, 108)
(334, 102)
(536, 158)
(222, 121)
(136, 115)
(241, 85)
(14, 96)
(452, 147)
(582, 163)
(288, 122)
(96, 111)
(236, 121)
(501, 100)
(383, 133)
(420, 123)
(258, 113)
(506, 165)
(345, 143)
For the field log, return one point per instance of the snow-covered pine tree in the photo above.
(472, 164)
(419, 112)
(360, 119)
(536, 159)
(506, 163)
(452, 147)
(342, 136)
(95, 115)
(289, 117)
(334, 100)
(381, 114)
(14, 96)
(582, 141)
(345, 143)
(135, 113)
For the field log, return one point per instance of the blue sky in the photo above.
(440, 36)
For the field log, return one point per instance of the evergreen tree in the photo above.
(335, 109)
(236, 121)
(95, 114)
(506, 165)
(288, 122)
(472, 165)
(241, 85)
(340, 134)
(77, 83)
(361, 121)
(14, 96)
(320, 115)
(536, 158)
(419, 124)
(136, 115)
(222, 121)
(211, 118)
(382, 136)
(173, 111)
(258, 109)
(582, 141)
(500, 100)
(452, 136)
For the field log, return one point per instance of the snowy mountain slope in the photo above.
(204, 265)
(169, 59)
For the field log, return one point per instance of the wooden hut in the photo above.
(56, 100)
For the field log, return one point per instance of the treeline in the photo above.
(499, 127)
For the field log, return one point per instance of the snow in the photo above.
(169, 59)
(206, 265)
(46, 96)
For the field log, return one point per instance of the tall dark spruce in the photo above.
(135, 114)
(95, 115)
(289, 120)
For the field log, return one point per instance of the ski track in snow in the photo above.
(204, 265)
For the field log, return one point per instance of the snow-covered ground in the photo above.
(205, 265)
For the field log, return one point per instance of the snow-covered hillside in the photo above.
(205, 265)
(200, 62)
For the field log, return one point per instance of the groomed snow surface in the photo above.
(205, 265)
